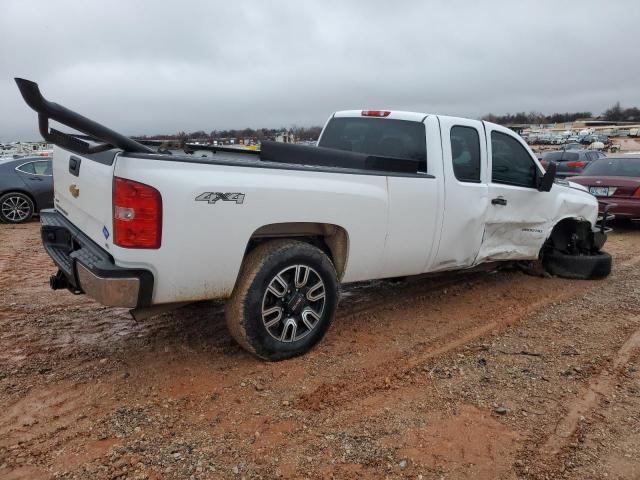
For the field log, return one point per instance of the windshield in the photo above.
(613, 167)
(375, 136)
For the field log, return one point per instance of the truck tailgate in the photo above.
(83, 190)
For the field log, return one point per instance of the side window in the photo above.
(465, 153)
(42, 168)
(27, 168)
(510, 162)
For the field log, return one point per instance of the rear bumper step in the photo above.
(87, 268)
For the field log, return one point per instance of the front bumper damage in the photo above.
(600, 230)
(84, 267)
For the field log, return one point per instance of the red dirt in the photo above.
(480, 376)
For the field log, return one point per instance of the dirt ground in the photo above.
(493, 375)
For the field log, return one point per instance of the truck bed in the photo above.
(293, 157)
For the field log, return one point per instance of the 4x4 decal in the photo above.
(213, 197)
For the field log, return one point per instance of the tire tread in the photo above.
(581, 267)
(235, 311)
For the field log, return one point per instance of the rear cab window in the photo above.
(382, 137)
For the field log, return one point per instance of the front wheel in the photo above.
(284, 300)
(582, 267)
(16, 207)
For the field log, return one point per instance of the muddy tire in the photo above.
(16, 207)
(284, 300)
(582, 267)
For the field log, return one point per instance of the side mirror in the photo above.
(546, 182)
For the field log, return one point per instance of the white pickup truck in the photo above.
(383, 194)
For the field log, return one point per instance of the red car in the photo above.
(614, 180)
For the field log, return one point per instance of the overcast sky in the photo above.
(145, 67)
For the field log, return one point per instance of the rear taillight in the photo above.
(375, 113)
(636, 194)
(137, 214)
(578, 164)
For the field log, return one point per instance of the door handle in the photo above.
(499, 201)
(35, 179)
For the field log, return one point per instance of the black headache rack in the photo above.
(106, 138)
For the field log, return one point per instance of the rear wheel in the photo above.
(583, 267)
(284, 300)
(16, 207)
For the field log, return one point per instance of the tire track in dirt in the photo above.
(55, 409)
(598, 387)
(47, 411)
(363, 384)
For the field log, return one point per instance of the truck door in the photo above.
(518, 216)
(464, 156)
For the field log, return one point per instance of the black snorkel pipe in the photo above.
(52, 111)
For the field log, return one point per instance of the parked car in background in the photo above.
(572, 146)
(26, 187)
(615, 180)
(589, 139)
(570, 162)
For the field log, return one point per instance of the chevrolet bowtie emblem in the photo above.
(74, 190)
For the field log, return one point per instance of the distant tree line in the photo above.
(535, 118)
(618, 114)
(301, 133)
(615, 114)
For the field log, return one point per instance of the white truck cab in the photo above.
(383, 194)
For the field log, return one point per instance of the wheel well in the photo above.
(331, 239)
(24, 192)
(571, 235)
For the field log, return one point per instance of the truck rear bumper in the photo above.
(84, 267)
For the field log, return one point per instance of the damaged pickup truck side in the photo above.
(383, 194)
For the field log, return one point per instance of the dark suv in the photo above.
(570, 162)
